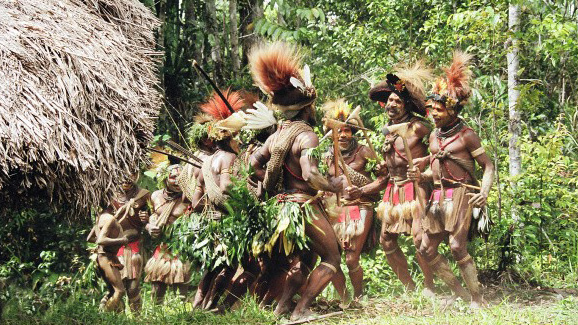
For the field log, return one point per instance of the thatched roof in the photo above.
(78, 96)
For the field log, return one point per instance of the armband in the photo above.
(478, 152)
(258, 156)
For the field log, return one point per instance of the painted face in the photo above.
(345, 136)
(395, 107)
(172, 179)
(440, 114)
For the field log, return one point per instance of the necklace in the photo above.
(451, 132)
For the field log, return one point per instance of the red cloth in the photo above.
(353, 214)
(134, 247)
(408, 189)
(435, 196)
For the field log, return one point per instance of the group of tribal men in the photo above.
(433, 196)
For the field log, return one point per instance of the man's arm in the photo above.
(198, 194)
(309, 165)
(259, 158)
(474, 146)
(103, 238)
(225, 173)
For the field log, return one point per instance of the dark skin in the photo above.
(109, 238)
(462, 148)
(323, 239)
(159, 289)
(353, 250)
(132, 227)
(214, 283)
(397, 168)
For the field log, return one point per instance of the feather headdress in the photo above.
(340, 109)
(408, 82)
(225, 122)
(276, 70)
(454, 90)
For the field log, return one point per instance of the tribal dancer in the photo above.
(287, 170)
(108, 235)
(164, 268)
(355, 222)
(454, 150)
(403, 96)
(129, 206)
(212, 185)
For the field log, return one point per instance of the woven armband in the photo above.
(478, 152)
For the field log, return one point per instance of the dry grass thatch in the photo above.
(79, 96)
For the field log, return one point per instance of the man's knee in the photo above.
(388, 242)
(352, 261)
(428, 251)
(458, 249)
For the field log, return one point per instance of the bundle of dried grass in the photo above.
(79, 96)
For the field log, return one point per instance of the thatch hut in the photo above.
(78, 97)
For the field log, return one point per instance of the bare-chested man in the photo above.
(129, 206)
(356, 219)
(213, 183)
(164, 268)
(108, 235)
(454, 150)
(287, 170)
(404, 98)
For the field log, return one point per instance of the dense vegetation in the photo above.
(350, 45)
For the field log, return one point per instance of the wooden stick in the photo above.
(308, 320)
(217, 90)
(195, 164)
(336, 161)
(473, 187)
(344, 168)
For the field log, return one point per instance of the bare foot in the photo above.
(307, 314)
(448, 301)
(282, 309)
(477, 305)
(428, 293)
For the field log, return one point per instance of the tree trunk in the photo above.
(234, 37)
(160, 7)
(514, 126)
(213, 30)
(251, 12)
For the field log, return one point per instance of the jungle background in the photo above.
(45, 275)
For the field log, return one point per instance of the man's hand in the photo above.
(153, 230)
(353, 192)
(143, 216)
(125, 240)
(414, 174)
(477, 199)
(381, 168)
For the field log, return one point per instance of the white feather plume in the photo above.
(233, 123)
(307, 76)
(259, 118)
(297, 83)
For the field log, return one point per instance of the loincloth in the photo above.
(445, 208)
(399, 207)
(166, 267)
(350, 223)
(129, 255)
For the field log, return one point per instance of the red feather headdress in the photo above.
(217, 108)
(454, 90)
(225, 123)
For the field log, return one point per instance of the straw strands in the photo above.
(78, 97)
